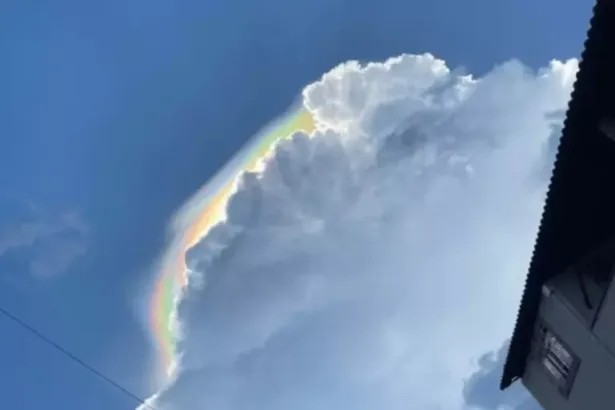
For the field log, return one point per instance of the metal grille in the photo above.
(557, 360)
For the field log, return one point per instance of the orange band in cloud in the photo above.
(206, 213)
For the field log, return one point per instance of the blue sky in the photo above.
(114, 113)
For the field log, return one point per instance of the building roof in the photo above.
(579, 212)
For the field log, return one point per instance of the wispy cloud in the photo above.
(371, 265)
(51, 243)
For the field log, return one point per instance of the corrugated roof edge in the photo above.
(528, 310)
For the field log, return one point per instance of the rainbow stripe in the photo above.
(206, 209)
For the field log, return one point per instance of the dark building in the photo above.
(563, 345)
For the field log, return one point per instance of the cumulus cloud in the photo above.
(482, 393)
(372, 264)
(48, 243)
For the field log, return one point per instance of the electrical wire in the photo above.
(75, 359)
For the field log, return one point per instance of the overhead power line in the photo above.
(75, 359)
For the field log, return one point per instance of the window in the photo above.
(584, 285)
(557, 360)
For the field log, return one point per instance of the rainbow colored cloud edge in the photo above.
(194, 221)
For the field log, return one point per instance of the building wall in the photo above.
(604, 328)
(568, 288)
(593, 387)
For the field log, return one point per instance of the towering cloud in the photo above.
(373, 262)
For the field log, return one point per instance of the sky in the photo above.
(114, 114)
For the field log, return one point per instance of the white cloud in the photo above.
(481, 391)
(52, 242)
(371, 266)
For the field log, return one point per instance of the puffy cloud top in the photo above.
(372, 264)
